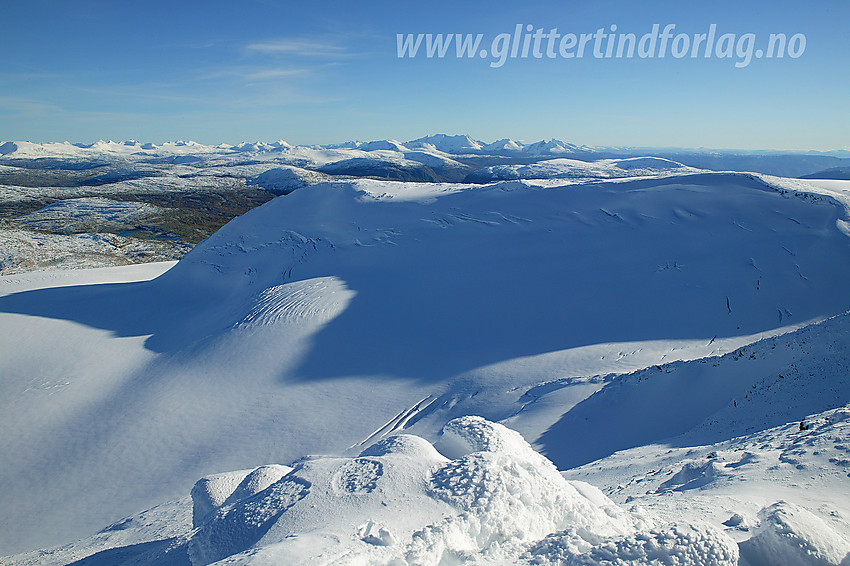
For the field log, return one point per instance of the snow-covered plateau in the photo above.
(618, 361)
(70, 206)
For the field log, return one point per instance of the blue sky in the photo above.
(322, 72)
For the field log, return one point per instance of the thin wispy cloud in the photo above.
(155, 91)
(274, 74)
(30, 76)
(299, 47)
(250, 73)
(23, 106)
(34, 109)
(205, 44)
(280, 97)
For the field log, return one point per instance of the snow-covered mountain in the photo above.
(386, 145)
(562, 168)
(381, 167)
(793, 164)
(333, 318)
(457, 144)
(544, 147)
(285, 179)
(504, 144)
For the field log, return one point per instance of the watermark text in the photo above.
(526, 42)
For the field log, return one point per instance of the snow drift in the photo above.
(789, 534)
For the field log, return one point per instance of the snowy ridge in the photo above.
(777, 487)
(575, 169)
(284, 180)
(758, 386)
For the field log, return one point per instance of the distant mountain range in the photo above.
(437, 152)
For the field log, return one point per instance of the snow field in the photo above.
(347, 308)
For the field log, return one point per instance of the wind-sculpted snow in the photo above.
(466, 435)
(499, 503)
(789, 534)
(241, 525)
(215, 491)
(676, 544)
(317, 300)
(780, 492)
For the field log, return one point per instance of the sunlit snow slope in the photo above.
(353, 308)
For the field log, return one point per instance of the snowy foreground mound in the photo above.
(401, 501)
(481, 495)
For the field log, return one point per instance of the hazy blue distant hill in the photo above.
(779, 164)
(834, 173)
